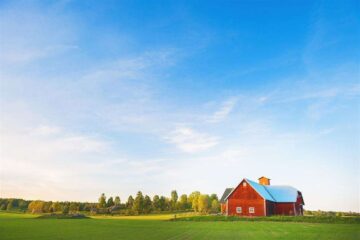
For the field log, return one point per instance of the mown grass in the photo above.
(13, 226)
(305, 219)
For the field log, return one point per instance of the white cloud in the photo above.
(190, 141)
(46, 130)
(224, 111)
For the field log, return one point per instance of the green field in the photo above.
(25, 226)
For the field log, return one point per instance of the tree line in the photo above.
(139, 204)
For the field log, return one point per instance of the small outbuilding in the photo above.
(250, 198)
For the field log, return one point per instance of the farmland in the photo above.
(25, 226)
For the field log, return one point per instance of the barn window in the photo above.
(238, 210)
(244, 184)
(251, 210)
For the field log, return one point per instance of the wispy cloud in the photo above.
(224, 110)
(191, 141)
(31, 35)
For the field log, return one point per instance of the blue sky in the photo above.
(121, 96)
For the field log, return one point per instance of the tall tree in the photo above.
(74, 207)
(110, 202)
(215, 206)
(183, 202)
(194, 200)
(138, 203)
(102, 201)
(156, 203)
(174, 198)
(117, 201)
(54, 207)
(147, 204)
(214, 197)
(162, 203)
(204, 203)
(130, 202)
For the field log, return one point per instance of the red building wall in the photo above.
(245, 197)
(284, 209)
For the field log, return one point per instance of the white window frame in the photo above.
(238, 209)
(251, 209)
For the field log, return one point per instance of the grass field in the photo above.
(25, 226)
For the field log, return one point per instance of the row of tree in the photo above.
(144, 204)
(141, 204)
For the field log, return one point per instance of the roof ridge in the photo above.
(270, 194)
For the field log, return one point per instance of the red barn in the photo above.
(250, 198)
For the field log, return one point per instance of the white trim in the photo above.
(294, 210)
(265, 207)
(227, 207)
(253, 208)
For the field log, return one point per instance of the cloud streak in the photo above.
(190, 141)
(224, 110)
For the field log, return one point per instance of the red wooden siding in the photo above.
(285, 209)
(245, 197)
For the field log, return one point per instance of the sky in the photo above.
(119, 96)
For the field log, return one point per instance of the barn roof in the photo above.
(225, 194)
(261, 189)
(273, 193)
(283, 193)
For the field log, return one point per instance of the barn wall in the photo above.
(245, 197)
(270, 208)
(284, 209)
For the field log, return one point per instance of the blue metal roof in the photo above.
(283, 193)
(274, 193)
(261, 190)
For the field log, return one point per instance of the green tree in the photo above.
(147, 204)
(156, 203)
(215, 206)
(117, 201)
(74, 207)
(10, 205)
(213, 196)
(102, 201)
(174, 198)
(65, 209)
(183, 202)
(203, 203)
(162, 203)
(194, 200)
(36, 206)
(138, 203)
(55, 207)
(130, 202)
(47, 206)
(110, 202)
(23, 205)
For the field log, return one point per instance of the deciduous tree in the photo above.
(117, 201)
(102, 201)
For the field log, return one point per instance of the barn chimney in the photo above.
(264, 181)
